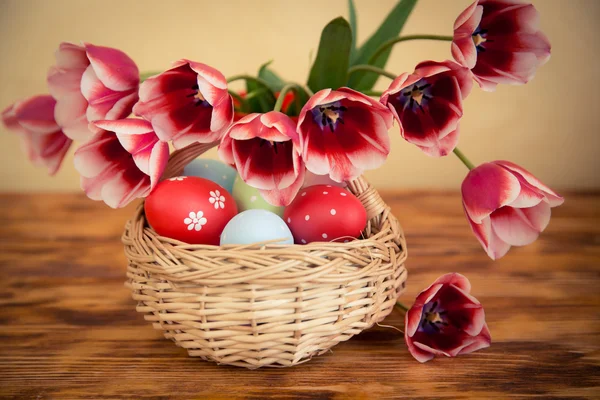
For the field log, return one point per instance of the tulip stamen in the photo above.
(329, 116)
(200, 100)
(433, 319)
(418, 95)
(479, 38)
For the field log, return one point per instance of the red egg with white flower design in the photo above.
(191, 209)
(325, 213)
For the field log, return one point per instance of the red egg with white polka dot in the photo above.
(191, 209)
(325, 213)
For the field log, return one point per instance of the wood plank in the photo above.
(69, 328)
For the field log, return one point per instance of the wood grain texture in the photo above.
(69, 328)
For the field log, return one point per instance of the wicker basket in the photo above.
(265, 305)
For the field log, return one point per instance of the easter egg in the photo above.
(213, 170)
(311, 179)
(191, 209)
(325, 213)
(254, 226)
(249, 198)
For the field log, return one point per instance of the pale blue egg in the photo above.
(254, 226)
(213, 170)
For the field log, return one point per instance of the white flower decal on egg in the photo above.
(178, 178)
(217, 199)
(195, 221)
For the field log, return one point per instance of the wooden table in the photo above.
(69, 328)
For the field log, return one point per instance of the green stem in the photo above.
(261, 82)
(370, 68)
(255, 93)
(386, 45)
(401, 306)
(282, 93)
(373, 93)
(463, 158)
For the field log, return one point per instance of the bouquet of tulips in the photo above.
(333, 124)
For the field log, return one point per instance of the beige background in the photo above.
(550, 126)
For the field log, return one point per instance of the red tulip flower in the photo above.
(446, 320)
(428, 104)
(91, 83)
(33, 120)
(506, 206)
(500, 41)
(187, 103)
(122, 162)
(343, 132)
(264, 150)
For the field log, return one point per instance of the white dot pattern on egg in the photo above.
(317, 216)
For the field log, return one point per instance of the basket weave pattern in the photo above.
(265, 305)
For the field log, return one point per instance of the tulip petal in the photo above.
(70, 115)
(126, 185)
(36, 114)
(10, 121)
(495, 247)
(97, 155)
(538, 216)
(463, 48)
(512, 226)
(419, 355)
(481, 341)
(71, 56)
(104, 103)
(47, 150)
(158, 162)
(283, 197)
(455, 279)
(522, 174)
(129, 126)
(487, 188)
(413, 316)
(115, 69)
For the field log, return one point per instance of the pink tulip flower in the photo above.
(343, 133)
(506, 206)
(33, 120)
(91, 83)
(446, 320)
(187, 103)
(500, 41)
(428, 104)
(264, 150)
(122, 162)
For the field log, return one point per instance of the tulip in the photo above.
(446, 320)
(500, 41)
(187, 103)
(122, 162)
(506, 206)
(428, 104)
(91, 83)
(264, 150)
(33, 120)
(343, 133)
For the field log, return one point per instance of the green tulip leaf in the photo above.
(333, 57)
(389, 29)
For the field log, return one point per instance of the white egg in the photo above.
(256, 226)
